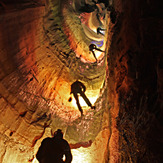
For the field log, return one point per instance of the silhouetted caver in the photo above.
(79, 88)
(92, 48)
(99, 31)
(52, 149)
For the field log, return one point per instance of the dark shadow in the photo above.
(113, 14)
(79, 88)
(53, 149)
(99, 31)
(106, 3)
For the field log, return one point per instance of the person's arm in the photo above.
(67, 152)
(71, 89)
(40, 152)
(68, 156)
(83, 87)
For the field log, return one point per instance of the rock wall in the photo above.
(37, 68)
(135, 82)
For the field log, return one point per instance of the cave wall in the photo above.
(134, 85)
(37, 68)
(135, 82)
(20, 28)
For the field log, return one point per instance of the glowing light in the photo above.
(82, 102)
(99, 54)
(81, 155)
(35, 161)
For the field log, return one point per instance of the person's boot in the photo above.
(93, 107)
(81, 111)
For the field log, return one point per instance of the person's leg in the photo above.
(94, 55)
(99, 50)
(87, 100)
(77, 102)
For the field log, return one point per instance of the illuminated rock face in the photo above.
(44, 49)
(38, 67)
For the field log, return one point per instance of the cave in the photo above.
(44, 48)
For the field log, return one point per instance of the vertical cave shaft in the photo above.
(39, 62)
(44, 48)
